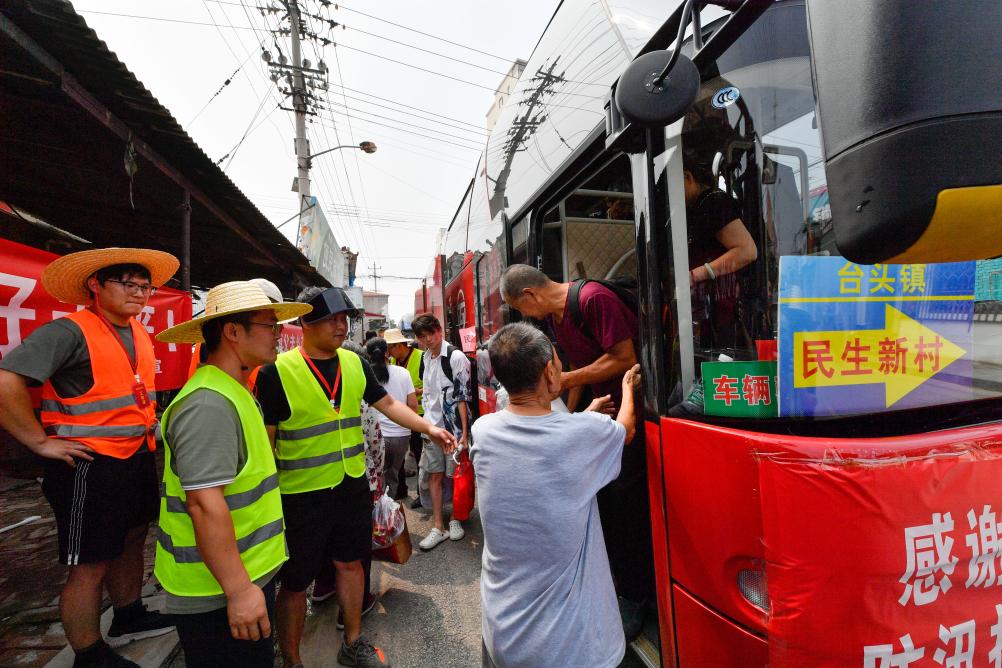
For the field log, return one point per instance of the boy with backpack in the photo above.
(595, 325)
(446, 400)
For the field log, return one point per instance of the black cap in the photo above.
(330, 302)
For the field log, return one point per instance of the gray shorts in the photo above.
(434, 459)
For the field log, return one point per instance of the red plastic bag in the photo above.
(464, 487)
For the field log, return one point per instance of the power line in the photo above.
(416, 134)
(418, 48)
(403, 27)
(479, 130)
(419, 127)
(441, 39)
(164, 20)
(384, 99)
(339, 45)
(226, 83)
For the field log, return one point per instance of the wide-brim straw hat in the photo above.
(66, 277)
(393, 336)
(227, 299)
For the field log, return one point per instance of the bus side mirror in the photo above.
(648, 102)
(909, 98)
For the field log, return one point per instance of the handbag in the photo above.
(464, 487)
(399, 551)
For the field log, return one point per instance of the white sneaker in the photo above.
(456, 530)
(433, 539)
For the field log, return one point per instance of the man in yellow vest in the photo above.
(97, 368)
(402, 354)
(222, 535)
(311, 399)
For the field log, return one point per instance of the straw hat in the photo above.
(227, 299)
(393, 336)
(66, 277)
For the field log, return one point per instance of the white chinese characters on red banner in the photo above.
(886, 563)
(25, 306)
(291, 337)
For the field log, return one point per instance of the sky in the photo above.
(428, 124)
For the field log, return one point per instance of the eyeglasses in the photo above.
(136, 288)
(276, 328)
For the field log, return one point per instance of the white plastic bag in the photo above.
(387, 522)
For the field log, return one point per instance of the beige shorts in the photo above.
(434, 459)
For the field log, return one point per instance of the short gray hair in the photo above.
(519, 352)
(518, 277)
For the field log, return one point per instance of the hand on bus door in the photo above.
(602, 405)
(631, 380)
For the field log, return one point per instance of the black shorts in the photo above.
(323, 526)
(97, 503)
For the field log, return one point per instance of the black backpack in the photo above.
(624, 287)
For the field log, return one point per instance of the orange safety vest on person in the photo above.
(195, 363)
(107, 418)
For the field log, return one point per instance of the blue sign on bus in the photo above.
(864, 338)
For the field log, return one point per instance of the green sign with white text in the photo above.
(740, 389)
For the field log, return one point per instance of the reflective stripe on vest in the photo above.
(106, 418)
(175, 504)
(317, 446)
(253, 500)
(191, 555)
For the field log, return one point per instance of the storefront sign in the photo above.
(885, 564)
(25, 306)
(740, 389)
(857, 338)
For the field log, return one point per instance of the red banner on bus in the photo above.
(885, 563)
(25, 306)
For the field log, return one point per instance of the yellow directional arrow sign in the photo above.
(902, 355)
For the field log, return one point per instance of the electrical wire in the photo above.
(384, 99)
(339, 45)
(403, 27)
(418, 127)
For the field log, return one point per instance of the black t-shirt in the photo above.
(710, 213)
(275, 405)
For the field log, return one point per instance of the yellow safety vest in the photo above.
(253, 499)
(414, 369)
(318, 445)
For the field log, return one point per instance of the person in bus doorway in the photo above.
(446, 400)
(600, 352)
(719, 247)
(222, 537)
(96, 367)
(404, 355)
(551, 595)
(312, 398)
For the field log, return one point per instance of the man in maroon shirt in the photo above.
(600, 352)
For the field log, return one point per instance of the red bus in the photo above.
(834, 500)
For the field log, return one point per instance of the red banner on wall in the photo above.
(885, 563)
(25, 306)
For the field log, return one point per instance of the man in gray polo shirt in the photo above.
(546, 588)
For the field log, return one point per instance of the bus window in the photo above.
(552, 242)
(591, 231)
(756, 191)
(520, 242)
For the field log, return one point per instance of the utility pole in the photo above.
(299, 104)
(375, 277)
